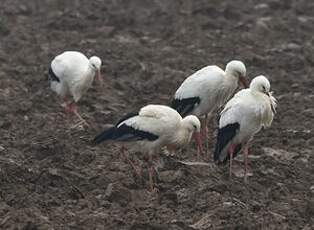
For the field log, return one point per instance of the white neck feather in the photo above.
(182, 137)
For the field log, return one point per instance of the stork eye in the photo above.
(194, 126)
(241, 73)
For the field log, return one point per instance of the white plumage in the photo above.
(243, 116)
(75, 72)
(153, 127)
(71, 74)
(208, 89)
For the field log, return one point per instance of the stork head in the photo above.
(237, 69)
(95, 63)
(260, 84)
(191, 123)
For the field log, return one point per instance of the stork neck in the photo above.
(91, 70)
(230, 74)
(230, 79)
(88, 77)
(183, 136)
(258, 95)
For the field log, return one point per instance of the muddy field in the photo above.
(51, 177)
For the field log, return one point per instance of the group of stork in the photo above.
(155, 127)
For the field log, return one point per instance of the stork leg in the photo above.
(136, 169)
(205, 133)
(199, 147)
(246, 154)
(231, 151)
(151, 171)
(67, 106)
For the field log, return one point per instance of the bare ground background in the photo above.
(51, 177)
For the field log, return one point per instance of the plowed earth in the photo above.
(51, 177)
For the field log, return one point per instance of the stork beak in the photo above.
(243, 82)
(197, 136)
(98, 76)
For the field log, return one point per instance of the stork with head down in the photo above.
(152, 128)
(71, 74)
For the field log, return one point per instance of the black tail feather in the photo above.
(224, 136)
(108, 134)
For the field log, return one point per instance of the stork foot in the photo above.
(70, 108)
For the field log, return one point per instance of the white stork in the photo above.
(243, 116)
(207, 90)
(71, 74)
(153, 127)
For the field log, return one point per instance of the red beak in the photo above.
(243, 82)
(98, 76)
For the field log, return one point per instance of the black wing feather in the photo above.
(52, 75)
(125, 132)
(224, 136)
(186, 105)
(105, 135)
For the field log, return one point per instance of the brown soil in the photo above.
(51, 177)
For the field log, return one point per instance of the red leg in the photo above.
(231, 151)
(204, 128)
(246, 153)
(199, 146)
(136, 169)
(205, 134)
(151, 172)
(151, 182)
(67, 106)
